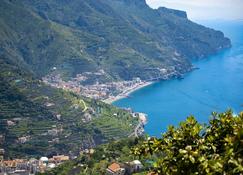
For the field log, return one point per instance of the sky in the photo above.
(204, 9)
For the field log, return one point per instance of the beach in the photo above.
(126, 92)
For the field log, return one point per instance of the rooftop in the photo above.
(114, 167)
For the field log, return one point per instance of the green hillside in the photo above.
(122, 37)
(38, 120)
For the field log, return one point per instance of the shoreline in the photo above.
(127, 92)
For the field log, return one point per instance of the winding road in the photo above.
(137, 131)
(85, 106)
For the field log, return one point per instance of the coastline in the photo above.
(127, 92)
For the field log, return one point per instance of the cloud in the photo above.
(204, 9)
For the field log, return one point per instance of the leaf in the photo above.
(192, 159)
(183, 151)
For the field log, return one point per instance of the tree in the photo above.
(192, 148)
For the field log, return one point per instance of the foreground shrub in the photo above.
(192, 148)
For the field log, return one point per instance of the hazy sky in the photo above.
(204, 9)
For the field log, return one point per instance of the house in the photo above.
(115, 169)
(10, 123)
(87, 152)
(60, 158)
(44, 160)
(14, 163)
(58, 116)
(57, 160)
(87, 117)
(23, 139)
(133, 167)
(53, 132)
(2, 138)
(48, 104)
(136, 166)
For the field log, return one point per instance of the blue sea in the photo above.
(216, 86)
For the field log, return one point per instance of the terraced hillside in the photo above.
(38, 120)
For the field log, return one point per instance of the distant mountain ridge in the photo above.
(122, 37)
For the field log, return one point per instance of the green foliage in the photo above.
(192, 148)
(104, 155)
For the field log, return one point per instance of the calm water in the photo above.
(216, 86)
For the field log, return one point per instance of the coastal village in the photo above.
(105, 91)
(98, 85)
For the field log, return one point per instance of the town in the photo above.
(98, 85)
(33, 166)
(106, 91)
(30, 166)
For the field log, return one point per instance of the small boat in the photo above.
(195, 68)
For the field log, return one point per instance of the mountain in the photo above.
(121, 37)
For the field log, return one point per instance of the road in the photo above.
(85, 106)
(137, 130)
